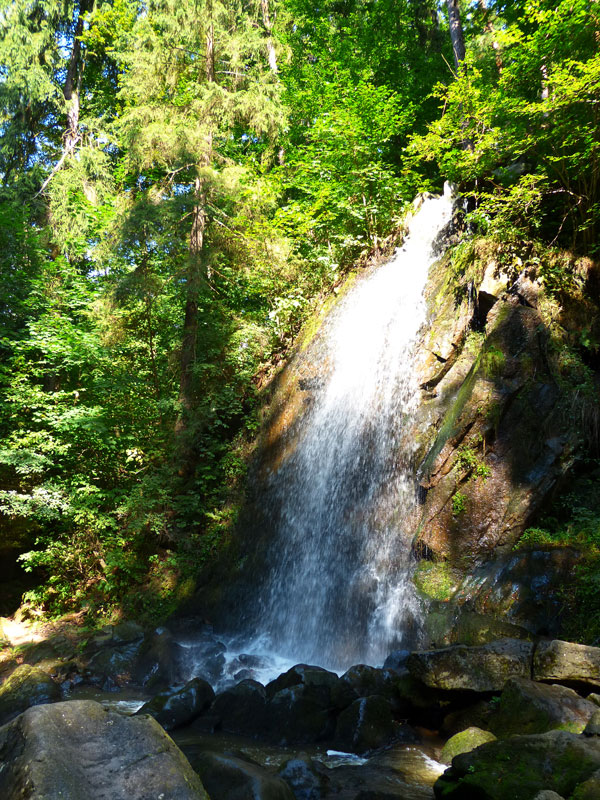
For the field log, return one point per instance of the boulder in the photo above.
(27, 686)
(362, 681)
(485, 668)
(227, 777)
(464, 742)
(521, 766)
(176, 707)
(79, 750)
(154, 666)
(588, 790)
(565, 661)
(116, 663)
(547, 794)
(476, 715)
(365, 725)
(593, 726)
(307, 777)
(241, 709)
(300, 715)
(320, 679)
(528, 707)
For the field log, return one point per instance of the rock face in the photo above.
(27, 686)
(499, 444)
(78, 750)
(521, 766)
(179, 706)
(479, 669)
(564, 661)
(527, 707)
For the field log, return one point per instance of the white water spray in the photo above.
(339, 591)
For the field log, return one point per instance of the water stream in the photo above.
(339, 591)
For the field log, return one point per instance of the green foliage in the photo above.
(468, 460)
(459, 504)
(518, 123)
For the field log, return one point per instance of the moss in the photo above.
(450, 426)
(464, 742)
(436, 580)
(313, 324)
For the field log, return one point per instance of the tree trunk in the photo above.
(268, 26)
(72, 87)
(196, 275)
(456, 32)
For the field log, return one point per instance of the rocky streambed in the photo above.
(121, 716)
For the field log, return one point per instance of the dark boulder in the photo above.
(300, 714)
(365, 725)
(227, 777)
(241, 709)
(308, 778)
(176, 707)
(321, 680)
(155, 663)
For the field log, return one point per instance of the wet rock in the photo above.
(307, 778)
(155, 666)
(227, 777)
(27, 686)
(464, 742)
(79, 750)
(521, 766)
(528, 707)
(321, 679)
(113, 653)
(176, 707)
(519, 591)
(365, 725)
(479, 669)
(397, 660)
(565, 661)
(242, 709)
(300, 714)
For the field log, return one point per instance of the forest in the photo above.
(182, 183)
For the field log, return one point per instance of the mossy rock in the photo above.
(464, 742)
(521, 766)
(527, 707)
(27, 686)
(436, 580)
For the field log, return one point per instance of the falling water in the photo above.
(340, 590)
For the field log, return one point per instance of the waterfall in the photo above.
(339, 591)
